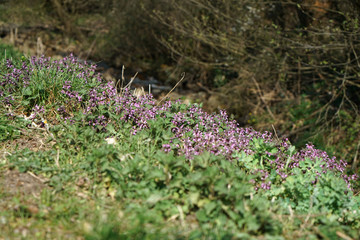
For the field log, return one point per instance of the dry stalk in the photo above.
(181, 213)
(131, 80)
(57, 158)
(277, 138)
(38, 178)
(182, 78)
(355, 161)
(122, 80)
(262, 99)
(343, 235)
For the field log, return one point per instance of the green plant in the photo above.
(8, 52)
(121, 166)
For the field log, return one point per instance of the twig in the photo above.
(291, 212)
(57, 158)
(122, 80)
(343, 235)
(122, 73)
(353, 167)
(34, 176)
(91, 48)
(131, 80)
(262, 99)
(352, 47)
(292, 133)
(181, 215)
(182, 78)
(204, 88)
(172, 218)
(275, 132)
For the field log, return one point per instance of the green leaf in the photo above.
(111, 128)
(194, 197)
(154, 198)
(201, 215)
(27, 91)
(26, 102)
(209, 207)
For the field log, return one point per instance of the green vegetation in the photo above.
(111, 165)
(8, 52)
(285, 63)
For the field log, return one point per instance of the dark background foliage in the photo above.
(288, 65)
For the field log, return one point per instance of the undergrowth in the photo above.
(120, 166)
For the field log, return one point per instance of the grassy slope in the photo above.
(84, 187)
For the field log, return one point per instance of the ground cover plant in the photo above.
(113, 165)
(264, 61)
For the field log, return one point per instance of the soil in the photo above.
(20, 194)
(15, 183)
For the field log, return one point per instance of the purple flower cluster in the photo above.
(11, 80)
(327, 163)
(70, 64)
(194, 131)
(136, 110)
(7, 100)
(70, 68)
(37, 110)
(82, 74)
(79, 88)
(215, 133)
(66, 90)
(103, 94)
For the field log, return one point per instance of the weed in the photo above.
(170, 170)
